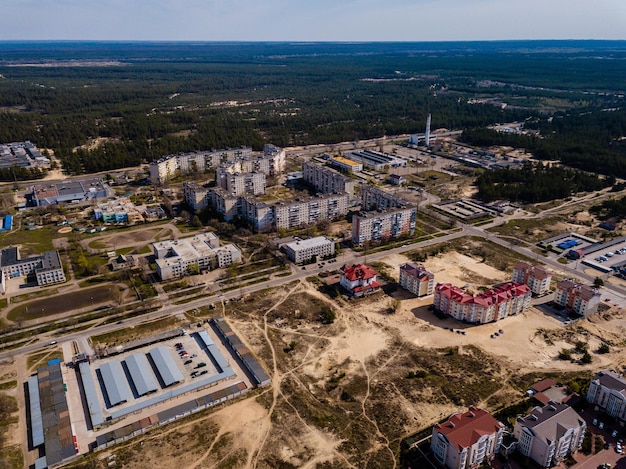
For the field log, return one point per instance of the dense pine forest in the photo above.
(147, 100)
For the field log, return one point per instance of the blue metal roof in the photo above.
(91, 396)
(167, 368)
(36, 421)
(115, 382)
(213, 351)
(141, 374)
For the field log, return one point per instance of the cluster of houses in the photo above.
(548, 435)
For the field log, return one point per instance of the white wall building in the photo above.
(466, 440)
(177, 258)
(549, 434)
(607, 390)
(305, 249)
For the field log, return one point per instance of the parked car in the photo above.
(614, 434)
(200, 365)
(595, 422)
(601, 425)
(188, 362)
(203, 372)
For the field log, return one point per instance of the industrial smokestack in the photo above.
(427, 134)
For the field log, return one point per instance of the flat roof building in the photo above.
(166, 366)
(47, 267)
(180, 257)
(327, 180)
(382, 225)
(376, 160)
(303, 250)
(72, 190)
(346, 164)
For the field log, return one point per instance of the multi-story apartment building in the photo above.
(200, 161)
(359, 280)
(607, 390)
(375, 226)
(373, 198)
(276, 157)
(467, 440)
(259, 214)
(236, 184)
(303, 250)
(535, 276)
(310, 210)
(549, 434)
(47, 267)
(327, 180)
(177, 258)
(196, 196)
(416, 279)
(579, 299)
(224, 203)
(492, 305)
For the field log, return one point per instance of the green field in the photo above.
(61, 304)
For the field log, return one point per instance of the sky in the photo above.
(311, 20)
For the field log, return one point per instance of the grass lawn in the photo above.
(61, 303)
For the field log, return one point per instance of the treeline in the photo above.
(20, 173)
(610, 208)
(591, 141)
(536, 183)
(169, 98)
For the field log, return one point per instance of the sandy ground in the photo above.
(530, 343)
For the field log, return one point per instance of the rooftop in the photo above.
(463, 430)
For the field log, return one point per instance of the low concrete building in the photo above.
(467, 440)
(416, 279)
(305, 249)
(549, 434)
(177, 258)
(47, 267)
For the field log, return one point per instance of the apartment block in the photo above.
(196, 196)
(47, 267)
(327, 180)
(224, 203)
(310, 210)
(169, 166)
(607, 390)
(177, 258)
(303, 250)
(492, 305)
(579, 299)
(467, 440)
(375, 226)
(252, 183)
(373, 198)
(416, 279)
(535, 276)
(259, 214)
(549, 434)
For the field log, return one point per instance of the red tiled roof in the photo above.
(463, 430)
(543, 385)
(358, 271)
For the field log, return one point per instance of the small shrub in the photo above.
(565, 354)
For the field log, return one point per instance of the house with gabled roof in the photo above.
(466, 440)
(359, 280)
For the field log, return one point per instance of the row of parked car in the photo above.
(189, 361)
